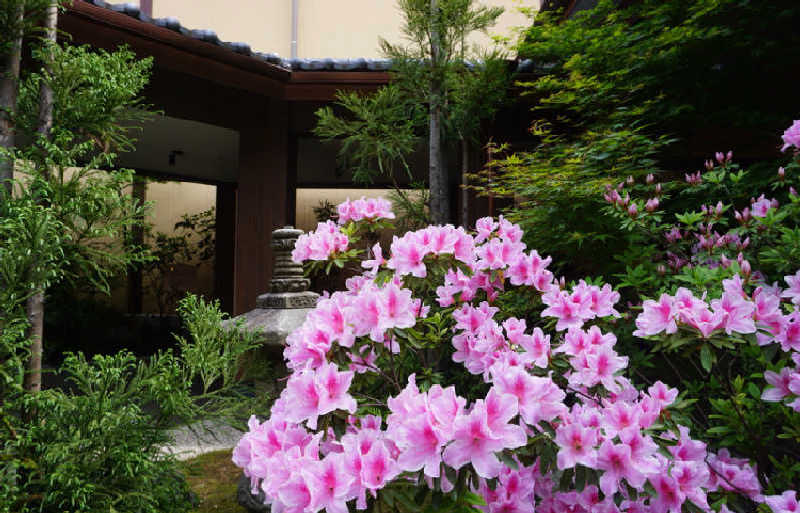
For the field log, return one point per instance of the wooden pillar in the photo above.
(291, 182)
(225, 245)
(261, 198)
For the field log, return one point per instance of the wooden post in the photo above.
(261, 200)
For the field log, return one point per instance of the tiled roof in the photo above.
(209, 36)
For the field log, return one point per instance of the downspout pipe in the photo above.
(295, 16)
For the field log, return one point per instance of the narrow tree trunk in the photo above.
(34, 309)
(439, 197)
(9, 88)
(464, 183)
(45, 91)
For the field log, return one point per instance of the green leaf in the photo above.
(706, 357)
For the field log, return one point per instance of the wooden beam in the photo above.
(98, 26)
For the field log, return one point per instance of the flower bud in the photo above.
(661, 269)
(792, 191)
(709, 164)
(658, 189)
(633, 210)
(651, 205)
(729, 156)
(649, 178)
(720, 157)
(781, 174)
(630, 180)
(745, 265)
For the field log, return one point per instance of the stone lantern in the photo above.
(284, 308)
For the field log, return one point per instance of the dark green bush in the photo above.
(95, 444)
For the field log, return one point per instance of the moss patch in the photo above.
(213, 478)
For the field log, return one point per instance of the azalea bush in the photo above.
(458, 372)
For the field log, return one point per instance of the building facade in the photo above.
(237, 117)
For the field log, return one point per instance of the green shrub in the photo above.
(95, 444)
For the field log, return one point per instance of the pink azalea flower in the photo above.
(600, 368)
(705, 321)
(619, 416)
(294, 494)
(576, 445)
(407, 257)
(538, 397)
(475, 442)
(687, 449)
(377, 260)
(789, 334)
(537, 347)
(793, 292)
(662, 393)
(509, 231)
(301, 391)
(780, 382)
(615, 462)
(691, 477)
(332, 386)
(485, 226)
(320, 244)
(784, 503)
(444, 406)
(643, 449)
(377, 467)
(761, 207)
(360, 209)
(738, 313)
(572, 310)
(791, 136)
(329, 485)
(395, 308)
(330, 317)
(669, 498)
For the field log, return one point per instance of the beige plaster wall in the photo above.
(171, 201)
(326, 28)
(352, 28)
(266, 25)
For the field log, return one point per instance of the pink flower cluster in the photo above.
(320, 244)
(791, 137)
(591, 414)
(364, 209)
(584, 303)
(366, 310)
(409, 251)
(737, 312)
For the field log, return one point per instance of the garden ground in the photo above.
(213, 476)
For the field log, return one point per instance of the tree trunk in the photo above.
(9, 88)
(439, 197)
(464, 184)
(45, 91)
(34, 309)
